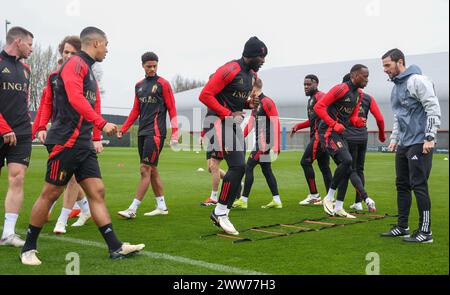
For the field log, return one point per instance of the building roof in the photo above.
(285, 85)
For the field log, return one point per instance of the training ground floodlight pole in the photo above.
(7, 22)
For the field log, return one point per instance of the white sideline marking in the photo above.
(164, 256)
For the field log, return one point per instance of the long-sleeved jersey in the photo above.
(47, 108)
(267, 125)
(153, 99)
(37, 118)
(368, 104)
(339, 105)
(313, 119)
(228, 89)
(14, 93)
(77, 105)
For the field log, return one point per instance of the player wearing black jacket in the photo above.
(226, 95)
(15, 125)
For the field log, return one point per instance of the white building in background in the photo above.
(285, 86)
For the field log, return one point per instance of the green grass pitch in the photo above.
(174, 244)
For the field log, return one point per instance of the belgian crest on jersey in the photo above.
(154, 88)
(62, 175)
(25, 73)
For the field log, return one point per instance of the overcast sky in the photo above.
(193, 38)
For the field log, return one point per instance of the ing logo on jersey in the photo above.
(346, 110)
(241, 94)
(148, 99)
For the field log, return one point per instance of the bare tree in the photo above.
(42, 63)
(180, 84)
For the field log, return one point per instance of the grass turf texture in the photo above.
(340, 250)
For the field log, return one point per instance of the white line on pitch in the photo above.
(164, 256)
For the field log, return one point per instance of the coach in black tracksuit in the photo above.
(226, 95)
(416, 121)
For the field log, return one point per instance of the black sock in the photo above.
(359, 187)
(270, 178)
(310, 177)
(239, 192)
(110, 237)
(249, 177)
(230, 205)
(32, 236)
